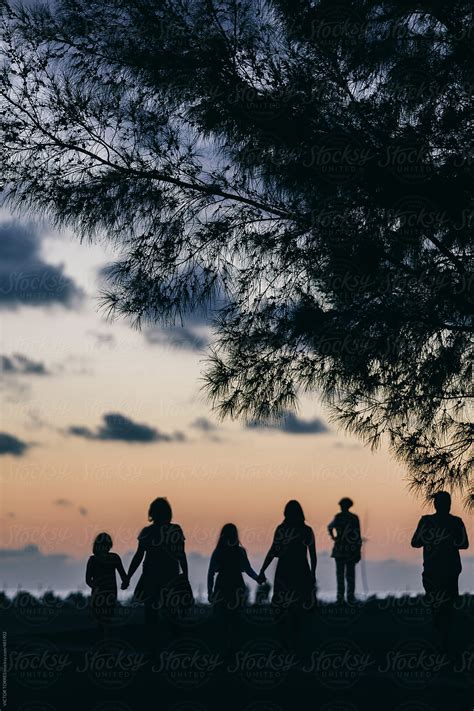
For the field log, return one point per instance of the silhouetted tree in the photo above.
(307, 163)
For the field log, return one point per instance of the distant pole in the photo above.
(363, 571)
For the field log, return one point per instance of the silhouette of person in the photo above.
(295, 579)
(441, 536)
(161, 547)
(101, 570)
(344, 530)
(227, 592)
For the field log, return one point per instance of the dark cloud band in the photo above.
(119, 428)
(18, 364)
(9, 444)
(291, 424)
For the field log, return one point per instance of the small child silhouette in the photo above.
(101, 577)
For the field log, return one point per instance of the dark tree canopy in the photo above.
(307, 165)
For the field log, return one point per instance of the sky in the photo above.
(98, 418)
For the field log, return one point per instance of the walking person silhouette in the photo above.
(161, 547)
(442, 536)
(101, 571)
(295, 579)
(344, 530)
(227, 592)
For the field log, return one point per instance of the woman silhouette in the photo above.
(229, 593)
(295, 578)
(161, 545)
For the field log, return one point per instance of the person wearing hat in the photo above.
(344, 530)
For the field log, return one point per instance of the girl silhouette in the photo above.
(228, 592)
(101, 571)
(161, 545)
(295, 578)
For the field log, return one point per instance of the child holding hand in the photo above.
(101, 571)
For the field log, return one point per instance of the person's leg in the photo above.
(109, 610)
(225, 630)
(305, 633)
(350, 579)
(106, 631)
(302, 631)
(440, 595)
(291, 629)
(444, 621)
(444, 602)
(103, 609)
(283, 625)
(151, 625)
(340, 566)
(169, 624)
(232, 626)
(430, 600)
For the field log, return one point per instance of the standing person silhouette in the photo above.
(228, 592)
(441, 536)
(295, 578)
(101, 571)
(344, 530)
(161, 545)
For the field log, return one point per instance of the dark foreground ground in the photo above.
(381, 654)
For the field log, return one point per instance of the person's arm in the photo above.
(183, 561)
(121, 571)
(463, 539)
(210, 576)
(417, 540)
(247, 568)
(357, 531)
(89, 575)
(313, 558)
(268, 559)
(331, 527)
(272, 553)
(135, 562)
